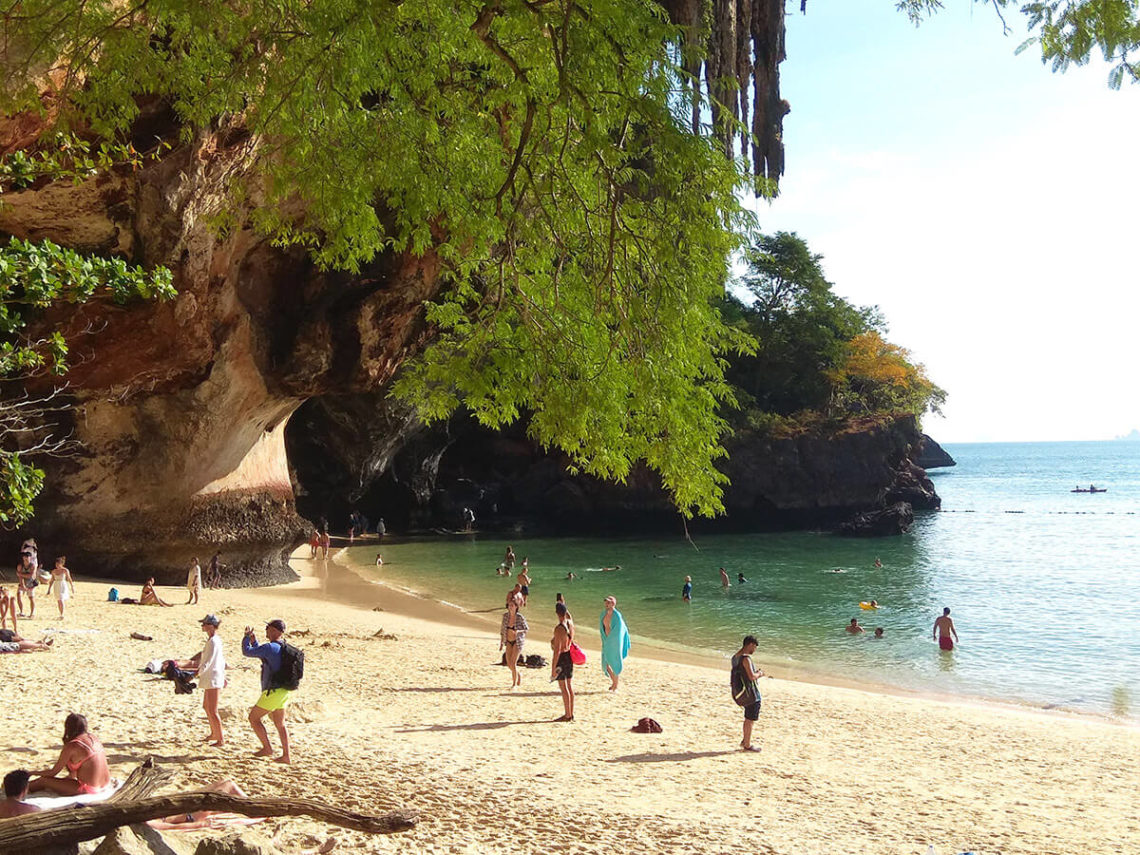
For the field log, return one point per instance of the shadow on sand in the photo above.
(479, 725)
(679, 757)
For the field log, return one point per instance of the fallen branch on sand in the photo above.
(37, 831)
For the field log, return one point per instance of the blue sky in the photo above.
(986, 204)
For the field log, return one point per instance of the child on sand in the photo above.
(61, 582)
(194, 580)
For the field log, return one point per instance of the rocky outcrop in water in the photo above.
(931, 455)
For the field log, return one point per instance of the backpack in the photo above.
(743, 692)
(292, 667)
(113, 595)
(646, 725)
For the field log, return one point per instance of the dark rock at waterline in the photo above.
(894, 519)
(813, 479)
(931, 455)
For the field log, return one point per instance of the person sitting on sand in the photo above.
(512, 637)
(562, 667)
(854, 627)
(615, 641)
(19, 645)
(199, 818)
(84, 759)
(943, 629)
(15, 791)
(61, 582)
(150, 597)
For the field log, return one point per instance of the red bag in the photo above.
(577, 654)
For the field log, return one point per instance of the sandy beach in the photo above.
(403, 706)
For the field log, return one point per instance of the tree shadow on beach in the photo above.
(161, 758)
(551, 692)
(20, 749)
(678, 757)
(480, 725)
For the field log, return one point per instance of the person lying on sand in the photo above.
(149, 597)
(199, 818)
(15, 791)
(84, 759)
(20, 646)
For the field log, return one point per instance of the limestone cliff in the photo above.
(180, 408)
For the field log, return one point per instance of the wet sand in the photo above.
(425, 720)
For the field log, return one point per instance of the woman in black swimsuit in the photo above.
(512, 636)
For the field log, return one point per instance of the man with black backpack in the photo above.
(282, 666)
(746, 688)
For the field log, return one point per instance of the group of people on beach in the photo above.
(30, 574)
(565, 652)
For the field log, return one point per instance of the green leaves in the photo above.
(20, 483)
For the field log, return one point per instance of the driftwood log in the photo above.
(37, 832)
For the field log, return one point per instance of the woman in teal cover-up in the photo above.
(615, 641)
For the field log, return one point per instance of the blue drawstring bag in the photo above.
(113, 595)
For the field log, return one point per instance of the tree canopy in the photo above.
(551, 153)
(817, 356)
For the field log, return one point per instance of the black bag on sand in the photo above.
(182, 684)
(536, 661)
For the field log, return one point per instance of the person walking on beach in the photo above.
(214, 578)
(61, 582)
(615, 641)
(194, 581)
(314, 544)
(724, 583)
(524, 582)
(211, 667)
(326, 543)
(27, 577)
(746, 688)
(687, 590)
(943, 630)
(272, 701)
(562, 668)
(512, 636)
(83, 757)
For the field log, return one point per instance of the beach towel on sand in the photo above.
(53, 802)
(615, 646)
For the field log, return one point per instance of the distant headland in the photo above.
(1135, 435)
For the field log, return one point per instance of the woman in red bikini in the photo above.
(84, 758)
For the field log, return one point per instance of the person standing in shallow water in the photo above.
(687, 590)
(724, 583)
(562, 668)
(943, 630)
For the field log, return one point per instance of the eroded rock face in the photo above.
(806, 481)
(179, 409)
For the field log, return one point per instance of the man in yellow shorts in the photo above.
(272, 701)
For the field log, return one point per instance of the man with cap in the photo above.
(272, 701)
(211, 666)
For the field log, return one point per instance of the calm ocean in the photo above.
(1044, 584)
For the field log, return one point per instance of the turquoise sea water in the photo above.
(1044, 584)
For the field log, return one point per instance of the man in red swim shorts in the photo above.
(943, 629)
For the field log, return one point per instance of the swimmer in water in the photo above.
(570, 577)
(379, 560)
(878, 632)
(878, 564)
(740, 580)
(838, 570)
(724, 583)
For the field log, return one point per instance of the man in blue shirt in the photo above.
(272, 701)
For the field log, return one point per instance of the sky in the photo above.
(985, 203)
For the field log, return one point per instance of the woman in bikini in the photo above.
(512, 636)
(84, 758)
(150, 596)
